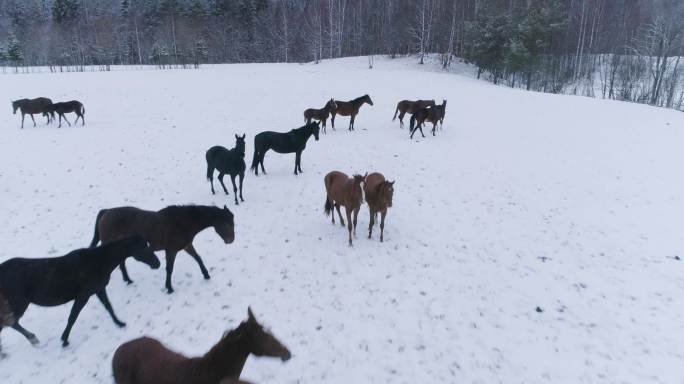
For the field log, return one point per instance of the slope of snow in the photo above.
(524, 200)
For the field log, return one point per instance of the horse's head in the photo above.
(261, 341)
(431, 103)
(240, 142)
(368, 99)
(332, 105)
(387, 192)
(225, 226)
(316, 129)
(358, 179)
(15, 106)
(444, 104)
(141, 251)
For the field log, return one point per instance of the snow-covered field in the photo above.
(524, 200)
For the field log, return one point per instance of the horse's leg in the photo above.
(351, 122)
(337, 207)
(79, 303)
(382, 225)
(60, 120)
(102, 295)
(242, 177)
(298, 156)
(28, 335)
(324, 120)
(434, 126)
(356, 216)
(65, 119)
(299, 163)
(220, 177)
(22, 119)
(170, 260)
(34, 120)
(401, 119)
(370, 224)
(261, 161)
(332, 121)
(349, 223)
(124, 273)
(190, 249)
(232, 178)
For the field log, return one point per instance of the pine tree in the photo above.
(65, 10)
(14, 52)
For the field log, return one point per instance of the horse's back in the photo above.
(372, 181)
(121, 222)
(145, 361)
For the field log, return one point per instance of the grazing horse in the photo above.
(379, 193)
(32, 106)
(68, 107)
(170, 229)
(320, 114)
(230, 162)
(6, 318)
(75, 276)
(410, 107)
(293, 141)
(147, 361)
(343, 190)
(433, 114)
(350, 108)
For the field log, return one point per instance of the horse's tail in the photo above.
(255, 158)
(96, 235)
(210, 169)
(328, 206)
(395, 113)
(82, 109)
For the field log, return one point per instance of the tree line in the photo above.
(619, 49)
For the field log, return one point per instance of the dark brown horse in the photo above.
(32, 106)
(432, 114)
(6, 318)
(147, 361)
(379, 193)
(350, 108)
(68, 107)
(170, 230)
(320, 114)
(346, 191)
(410, 107)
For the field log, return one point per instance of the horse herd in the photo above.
(128, 232)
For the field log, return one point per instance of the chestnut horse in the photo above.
(343, 190)
(410, 107)
(350, 108)
(320, 114)
(433, 114)
(379, 193)
(147, 361)
(170, 230)
(6, 318)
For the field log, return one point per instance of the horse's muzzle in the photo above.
(286, 356)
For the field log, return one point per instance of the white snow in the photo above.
(524, 200)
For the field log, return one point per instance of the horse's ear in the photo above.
(244, 135)
(392, 182)
(250, 315)
(224, 207)
(236, 136)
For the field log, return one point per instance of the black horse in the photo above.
(230, 162)
(293, 141)
(75, 276)
(32, 106)
(68, 107)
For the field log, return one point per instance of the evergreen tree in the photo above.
(14, 52)
(64, 11)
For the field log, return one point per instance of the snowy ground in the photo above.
(525, 200)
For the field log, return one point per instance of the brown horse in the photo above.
(170, 230)
(433, 114)
(379, 193)
(343, 190)
(147, 361)
(320, 114)
(410, 107)
(6, 318)
(350, 108)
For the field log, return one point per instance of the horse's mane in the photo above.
(359, 98)
(228, 337)
(184, 210)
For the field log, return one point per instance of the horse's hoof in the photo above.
(128, 282)
(34, 341)
(3, 355)
(207, 277)
(169, 290)
(120, 324)
(65, 343)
